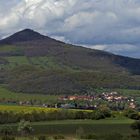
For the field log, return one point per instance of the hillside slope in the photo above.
(31, 62)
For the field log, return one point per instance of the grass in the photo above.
(69, 127)
(21, 109)
(129, 92)
(17, 60)
(7, 48)
(9, 95)
(26, 109)
(46, 62)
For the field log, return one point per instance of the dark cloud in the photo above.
(111, 23)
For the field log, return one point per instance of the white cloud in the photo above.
(120, 49)
(91, 22)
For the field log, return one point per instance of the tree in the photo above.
(132, 114)
(24, 127)
(6, 131)
(104, 110)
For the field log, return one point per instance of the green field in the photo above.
(8, 48)
(118, 124)
(46, 62)
(89, 126)
(9, 95)
(69, 127)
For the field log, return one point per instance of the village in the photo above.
(113, 100)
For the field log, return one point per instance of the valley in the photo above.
(39, 75)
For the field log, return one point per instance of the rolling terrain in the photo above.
(34, 63)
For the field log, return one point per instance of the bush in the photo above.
(105, 111)
(6, 131)
(132, 114)
(97, 115)
(24, 127)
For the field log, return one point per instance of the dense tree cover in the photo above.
(54, 67)
(33, 116)
(42, 114)
(33, 79)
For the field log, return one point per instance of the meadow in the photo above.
(6, 94)
(69, 127)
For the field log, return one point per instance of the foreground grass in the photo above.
(69, 127)
(89, 126)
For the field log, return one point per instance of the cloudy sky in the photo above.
(110, 25)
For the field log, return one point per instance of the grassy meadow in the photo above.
(69, 127)
(10, 95)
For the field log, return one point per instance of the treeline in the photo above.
(35, 116)
(14, 116)
(33, 79)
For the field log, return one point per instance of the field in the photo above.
(118, 124)
(9, 95)
(130, 93)
(69, 127)
(89, 126)
(46, 62)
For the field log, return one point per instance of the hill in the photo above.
(31, 62)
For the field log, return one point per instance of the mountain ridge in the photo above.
(34, 63)
(25, 36)
(28, 35)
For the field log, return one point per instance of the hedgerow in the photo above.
(13, 114)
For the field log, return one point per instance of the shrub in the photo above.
(6, 131)
(132, 114)
(105, 111)
(97, 115)
(24, 127)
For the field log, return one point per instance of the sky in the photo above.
(109, 25)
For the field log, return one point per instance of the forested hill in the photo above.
(31, 62)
